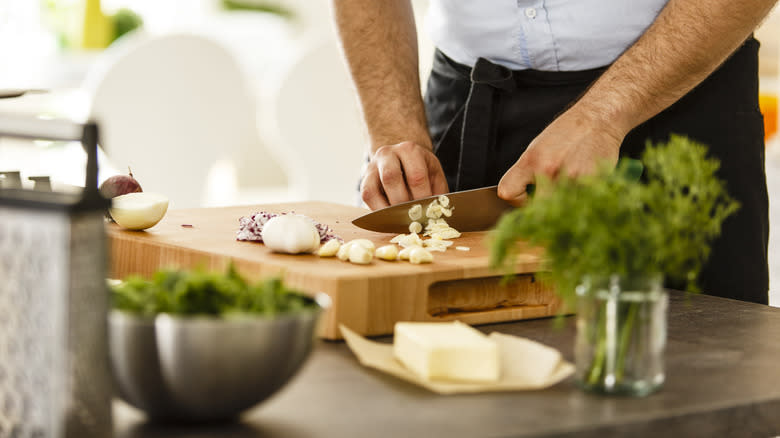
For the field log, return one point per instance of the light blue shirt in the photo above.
(548, 35)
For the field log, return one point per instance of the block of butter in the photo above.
(446, 351)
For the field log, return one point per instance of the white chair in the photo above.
(177, 110)
(312, 124)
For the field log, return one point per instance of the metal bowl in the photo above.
(207, 368)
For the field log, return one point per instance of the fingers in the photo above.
(401, 172)
(392, 176)
(415, 169)
(436, 175)
(371, 189)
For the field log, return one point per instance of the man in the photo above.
(528, 87)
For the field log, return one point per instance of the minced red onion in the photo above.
(250, 228)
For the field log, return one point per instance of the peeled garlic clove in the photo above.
(139, 210)
(387, 252)
(415, 227)
(330, 248)
(419, 255)
(360, 254)
(343, 252)
(406, 252)
(365, 243)
(291, 234)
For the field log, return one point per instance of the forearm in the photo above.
(687, 42)
(379, 41)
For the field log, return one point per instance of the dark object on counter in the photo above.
(54, 374)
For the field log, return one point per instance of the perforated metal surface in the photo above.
(33, 251)
(54, 379)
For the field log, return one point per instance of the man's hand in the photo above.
(573, 145)
(400, 173)
(688, 40)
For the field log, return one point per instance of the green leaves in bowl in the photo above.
(200, 292)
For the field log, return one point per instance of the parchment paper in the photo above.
(525, 365)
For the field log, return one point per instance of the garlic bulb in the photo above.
(291, 234)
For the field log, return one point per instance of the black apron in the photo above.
(482, 119)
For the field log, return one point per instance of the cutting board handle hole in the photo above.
(485, 294)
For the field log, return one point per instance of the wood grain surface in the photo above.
(367, 298)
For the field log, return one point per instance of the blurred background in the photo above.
(222, 102)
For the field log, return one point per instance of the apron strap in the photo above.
(487, 80)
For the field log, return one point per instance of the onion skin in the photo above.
(120, 185)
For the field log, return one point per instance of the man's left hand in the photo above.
(574, 144)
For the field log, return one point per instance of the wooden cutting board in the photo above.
(369, 299)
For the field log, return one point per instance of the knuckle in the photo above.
(416, 178)
(406, 146)
(367, 195)
(549, 169)
(382, 152)
(390, 176)
(504, 192)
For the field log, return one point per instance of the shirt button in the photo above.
(530, 12)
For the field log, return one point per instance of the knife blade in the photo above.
(473, 210)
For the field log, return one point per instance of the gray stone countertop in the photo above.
(722, 379)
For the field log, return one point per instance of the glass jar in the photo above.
(621, 334)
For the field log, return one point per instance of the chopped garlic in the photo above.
(387, 252)
(419, 255)
(407, 240)
(437, 242)
(330, 248)
(444, 201)
(433, 211)
(415, 227)
(450, 233)
(463, 248)
(415, 213)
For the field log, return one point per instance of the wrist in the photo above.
(607, 119)
(387, 139)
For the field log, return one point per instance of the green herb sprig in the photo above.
(200, 292)
(610, 223)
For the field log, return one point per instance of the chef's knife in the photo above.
(473, 210)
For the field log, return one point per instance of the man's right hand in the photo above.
(401, 172)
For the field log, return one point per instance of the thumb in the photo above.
(513, 186)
